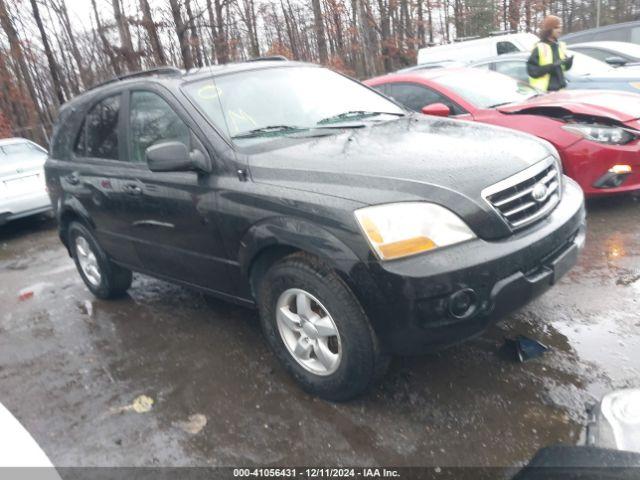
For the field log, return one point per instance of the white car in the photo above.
(22, 185)
(19, 451)
(617, 54)
(471, 50)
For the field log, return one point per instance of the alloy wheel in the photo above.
(308, 332)
(88, 261)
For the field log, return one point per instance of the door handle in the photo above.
(72, 179)
(133, 189)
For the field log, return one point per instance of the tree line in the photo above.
(48, 54)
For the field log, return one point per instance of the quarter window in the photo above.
(99, 135)
(517, 70)
(506, 47)
(154, 121)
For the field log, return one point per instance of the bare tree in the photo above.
(126, 46)
(53, 67)
(319, 27)
(182, 34)
(152, 31)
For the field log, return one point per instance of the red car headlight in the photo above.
(609, 134)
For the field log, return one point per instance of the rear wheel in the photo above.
(102, 277)
(317, 329)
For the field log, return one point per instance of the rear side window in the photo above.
(98, 137)
(153, 121)
(506, 47)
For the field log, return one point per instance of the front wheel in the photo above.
(104, 278)
(318, 330)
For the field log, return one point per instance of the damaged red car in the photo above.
(597, 133)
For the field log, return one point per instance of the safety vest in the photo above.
(545, 57)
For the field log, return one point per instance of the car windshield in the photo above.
(486, 89)
(17, 150)
(260, 104)
(586, 65)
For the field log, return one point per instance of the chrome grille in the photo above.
(527, 196)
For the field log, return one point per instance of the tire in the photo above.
(354, 361)
(102, 277)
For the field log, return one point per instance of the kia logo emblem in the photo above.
(539, 192)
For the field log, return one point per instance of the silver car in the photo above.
(22, 186)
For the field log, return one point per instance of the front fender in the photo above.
(298, 234)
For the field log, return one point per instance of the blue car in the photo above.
(586, 73)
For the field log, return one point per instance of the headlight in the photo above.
(401, 229)
(601, 133)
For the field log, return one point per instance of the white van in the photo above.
(469, 50)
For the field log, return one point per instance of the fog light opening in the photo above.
(463, 303)
(612, 179)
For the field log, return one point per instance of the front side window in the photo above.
(99, 135)
(586, 65)
(153, 121)
(598, 54)
(303, 98)
(415, 97)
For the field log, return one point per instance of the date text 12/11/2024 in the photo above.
(316, 472)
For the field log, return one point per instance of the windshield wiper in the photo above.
(499, 104)
(355, 115)
(269, 130)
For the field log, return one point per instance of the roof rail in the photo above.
(277, 58)
(464, 39)
(497, 33)
(142, 73)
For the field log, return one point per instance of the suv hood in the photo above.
(621, 106)
(445, 161)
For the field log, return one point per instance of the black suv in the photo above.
(358, 229)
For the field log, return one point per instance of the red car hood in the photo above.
(621, 106)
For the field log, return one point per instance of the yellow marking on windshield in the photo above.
(240, 116)
(209, 92)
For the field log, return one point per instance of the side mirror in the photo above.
(615, 61)
(437, 109)
(175, 157)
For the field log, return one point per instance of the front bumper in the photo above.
(588, 162)
(25, 205)
(411, 309)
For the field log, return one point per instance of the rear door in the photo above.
(175, 227)
(98, 177)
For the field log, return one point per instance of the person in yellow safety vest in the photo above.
(549, 60)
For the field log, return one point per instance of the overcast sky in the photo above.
(81, 11)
